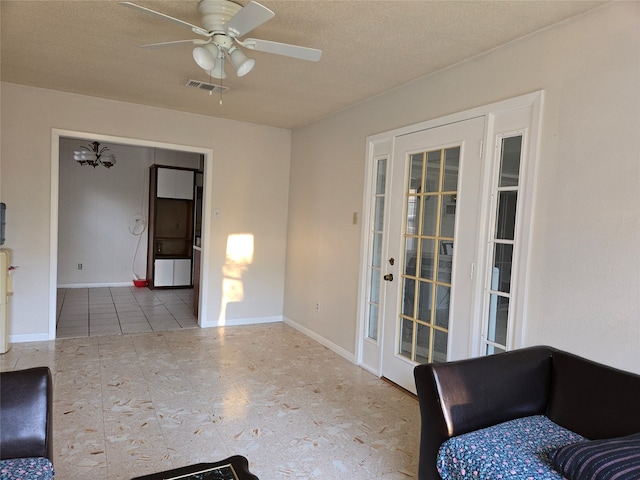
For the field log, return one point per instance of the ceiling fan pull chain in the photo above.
(221, 90)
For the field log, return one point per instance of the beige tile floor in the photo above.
(83, 312)
(128, 405)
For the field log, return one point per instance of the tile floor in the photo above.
(86, 312)
(128, 405)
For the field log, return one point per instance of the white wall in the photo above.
(95, 208)
(96, 212)
(584, 283)
(250, 169)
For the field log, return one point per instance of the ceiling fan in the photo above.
(224, 23)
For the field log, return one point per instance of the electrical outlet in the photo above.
(79, 266)
(317, 307)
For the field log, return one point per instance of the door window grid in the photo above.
(502, 246)
(375, 266)
(428, 249)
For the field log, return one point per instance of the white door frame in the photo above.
(56, 134)
(368, 354)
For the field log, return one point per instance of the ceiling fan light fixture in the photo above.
(240, 61)
(225, 22)
(218, 70)
(206, 57)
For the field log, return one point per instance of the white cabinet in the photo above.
(175, 183)
(172, 273)
(182, 272)
(163, 273)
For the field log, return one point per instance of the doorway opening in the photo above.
(100, 193)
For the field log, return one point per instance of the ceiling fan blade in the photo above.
(251, 16)
(195, 41)
(194, 28)
(295, 51)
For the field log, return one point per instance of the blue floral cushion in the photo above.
(37, 468)
(514, 450)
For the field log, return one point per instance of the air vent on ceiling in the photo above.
(206, 86)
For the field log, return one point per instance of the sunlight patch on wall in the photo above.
(239, 256)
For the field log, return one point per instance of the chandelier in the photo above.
(94, 155)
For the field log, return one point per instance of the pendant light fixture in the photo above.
(94, 155)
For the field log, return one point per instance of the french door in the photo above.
(446, 238)
(435, 185)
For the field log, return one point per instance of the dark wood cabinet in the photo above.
(170, 242)
(196, 280)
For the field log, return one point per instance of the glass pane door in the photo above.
(431, 194)
(433, 232)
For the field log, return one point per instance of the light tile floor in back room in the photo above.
(131, 404)
(83, 312)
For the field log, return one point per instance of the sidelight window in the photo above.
(375, 266)
(499, 311)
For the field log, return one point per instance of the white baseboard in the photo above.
(29, 337)
(241, 321)
(321, 340)
(96, 285)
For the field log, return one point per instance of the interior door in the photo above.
(432, 247)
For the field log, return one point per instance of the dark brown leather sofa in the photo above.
(25, 414)
(591, 399)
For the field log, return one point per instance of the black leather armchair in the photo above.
(591, 399)
(25, 414)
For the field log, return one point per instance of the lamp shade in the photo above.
(206, 57)
(83, 155)
(218, 70)
(108, 159)
(240, 61)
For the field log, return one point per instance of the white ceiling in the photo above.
(91, 48)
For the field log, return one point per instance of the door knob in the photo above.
(388, 277)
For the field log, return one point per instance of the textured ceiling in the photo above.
(91, 48)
